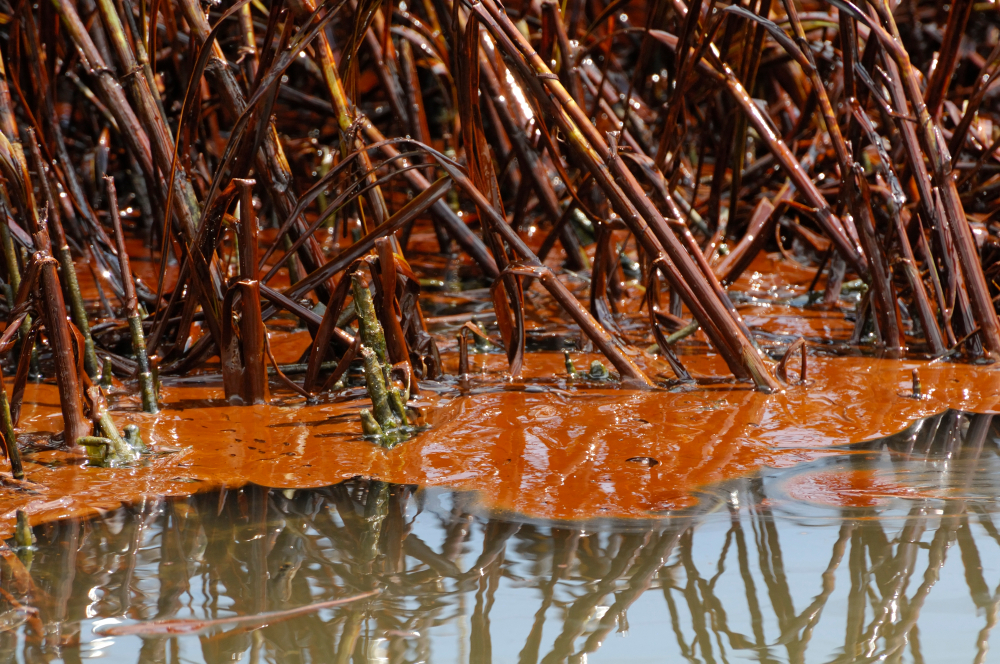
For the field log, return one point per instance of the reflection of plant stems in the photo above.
(580, 612)
(376, 509)
(810, 616)
(750, 588)
(690, 593)
(480, 643)
(896, 638)
(565, 544)
(902, 570)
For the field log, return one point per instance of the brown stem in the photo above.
(958, 18)
(57, 330)
(146, 387)
(77, 309)
(244, 365)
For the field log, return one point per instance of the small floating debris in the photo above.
(570, 367)
(598, 371)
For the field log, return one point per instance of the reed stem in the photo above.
(147, 389)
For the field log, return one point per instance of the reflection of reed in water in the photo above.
(444, 569)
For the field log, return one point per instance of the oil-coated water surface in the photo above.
(887, 552)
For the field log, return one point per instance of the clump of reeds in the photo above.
(657, 148)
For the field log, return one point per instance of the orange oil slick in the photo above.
(560, 453)
(542, 445)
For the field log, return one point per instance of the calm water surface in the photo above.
(888, 553)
